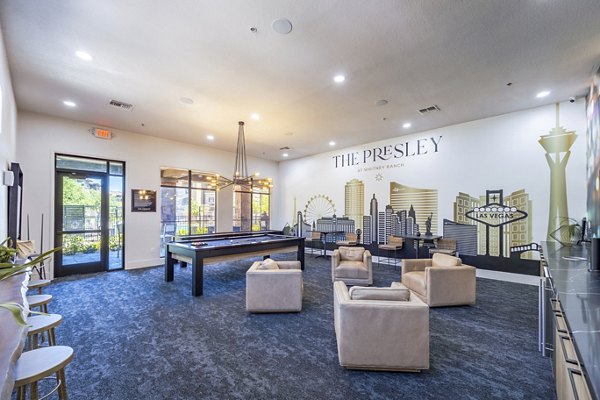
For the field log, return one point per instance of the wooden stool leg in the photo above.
(62, 390)
(34, 341)
(52, 337)
(34, 391)
(21, 393)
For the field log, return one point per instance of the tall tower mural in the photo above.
(373, 213)
(557, 142)
(354, 204)
(421, 203)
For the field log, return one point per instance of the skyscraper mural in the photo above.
(420, 203)
(354, 201)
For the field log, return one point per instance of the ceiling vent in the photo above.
(428, 110)
(121, 105)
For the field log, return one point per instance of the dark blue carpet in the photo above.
(138, 337)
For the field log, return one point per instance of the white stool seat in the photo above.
(36, 364)
(38, 283)
(37, 300)
(41, 323)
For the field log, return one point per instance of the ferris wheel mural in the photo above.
(318, 206)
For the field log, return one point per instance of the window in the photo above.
(251, 208)
(188, 206)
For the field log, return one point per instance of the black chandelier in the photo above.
(240, 171)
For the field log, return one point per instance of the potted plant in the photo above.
(568, 233)
(9, 268)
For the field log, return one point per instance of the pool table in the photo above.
(198, 250)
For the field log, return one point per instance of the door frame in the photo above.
(103, 264)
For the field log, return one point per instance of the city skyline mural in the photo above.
(487, 183)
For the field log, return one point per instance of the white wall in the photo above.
(8, 116)
(493, 153)
(40, 137)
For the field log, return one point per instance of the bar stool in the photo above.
(39, 300)
(41, 363)
(39, 324)
(38, 284)
(394, 244)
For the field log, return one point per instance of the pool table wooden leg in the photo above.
(169, 265)
(301, 254)
(197, 275)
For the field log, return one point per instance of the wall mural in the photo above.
(413, 185)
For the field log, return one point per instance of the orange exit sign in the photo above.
(102, 133)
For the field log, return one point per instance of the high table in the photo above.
(417, 239)
(202, 249)
(324, 235)
(12, 336)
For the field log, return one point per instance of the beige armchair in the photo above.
(441, 280)
(277, 288)
(381, 334)
(352, 265)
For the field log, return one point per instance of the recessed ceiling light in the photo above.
(210, 137)
(339, 78)
(406, 125)
(542, 94)
(186, 100)
(69, 103)
(255, 116)
(332, 143)
(285, 154)
(83, 55)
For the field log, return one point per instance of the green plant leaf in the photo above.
(17, 311)
(8, 272)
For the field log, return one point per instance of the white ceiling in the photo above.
(457, 54)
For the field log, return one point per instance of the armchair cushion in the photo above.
(379, 293)
(416, 281)
(268, 264)
(352, 253)
(352, 269)
(444, 260)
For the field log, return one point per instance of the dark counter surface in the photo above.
(12, 336)
(579, 293)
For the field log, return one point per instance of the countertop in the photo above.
(12, 336)
(579, 293)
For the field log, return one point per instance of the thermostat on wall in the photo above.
(102, 133)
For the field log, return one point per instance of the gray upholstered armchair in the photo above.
(274, 287)
(441, 280)
(352, 265)
(378, 332)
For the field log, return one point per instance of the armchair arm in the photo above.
(409, 265)
(367, 258)
(288, 264)
(335, 261)
(451, 285)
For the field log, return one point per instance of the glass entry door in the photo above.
(89, 223)
(81, 222)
